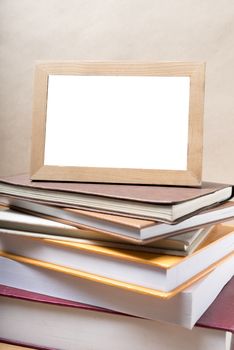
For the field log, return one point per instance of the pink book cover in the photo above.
(22, 294)
(12, 292)
(220, 314)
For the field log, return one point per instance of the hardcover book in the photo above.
(18, 223)
(219, 317)
(220, 314)
(118, 227)
(184, 309)
(143, 230)
(155, 274)
(153, 202)
(63, 324)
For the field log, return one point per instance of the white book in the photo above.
(37, 321)
(117, 226)
(18, 223)
(184, 309)
(164, 275)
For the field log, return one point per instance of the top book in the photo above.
(162, 203)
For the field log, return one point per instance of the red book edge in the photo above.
(11, 292)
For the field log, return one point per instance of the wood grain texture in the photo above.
(189, 177)
(5, 346)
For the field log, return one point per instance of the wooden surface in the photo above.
(4, 346)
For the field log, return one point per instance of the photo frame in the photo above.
(118, 122)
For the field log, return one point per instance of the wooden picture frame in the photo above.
(190, 176)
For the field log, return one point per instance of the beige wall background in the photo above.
(117, 29)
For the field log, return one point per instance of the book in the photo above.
(184, 309)
(156, 274)
(153, 202)
(220, 314)
(63, 324)
(181, 248)
(118, 227)
(15, 220)
(18, 223)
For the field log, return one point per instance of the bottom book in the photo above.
(40, 321)
(184, 309)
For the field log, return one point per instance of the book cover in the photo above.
(220, 314)
(56, 326)
(119, 228)
(112, 282)
(15, 222)
(139, 193)
(159, 273)
(153, 202)
(218, 232)
(23, 294)
(184, 309)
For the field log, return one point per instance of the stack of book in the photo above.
(85, 264)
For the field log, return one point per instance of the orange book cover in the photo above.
(111, 282)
